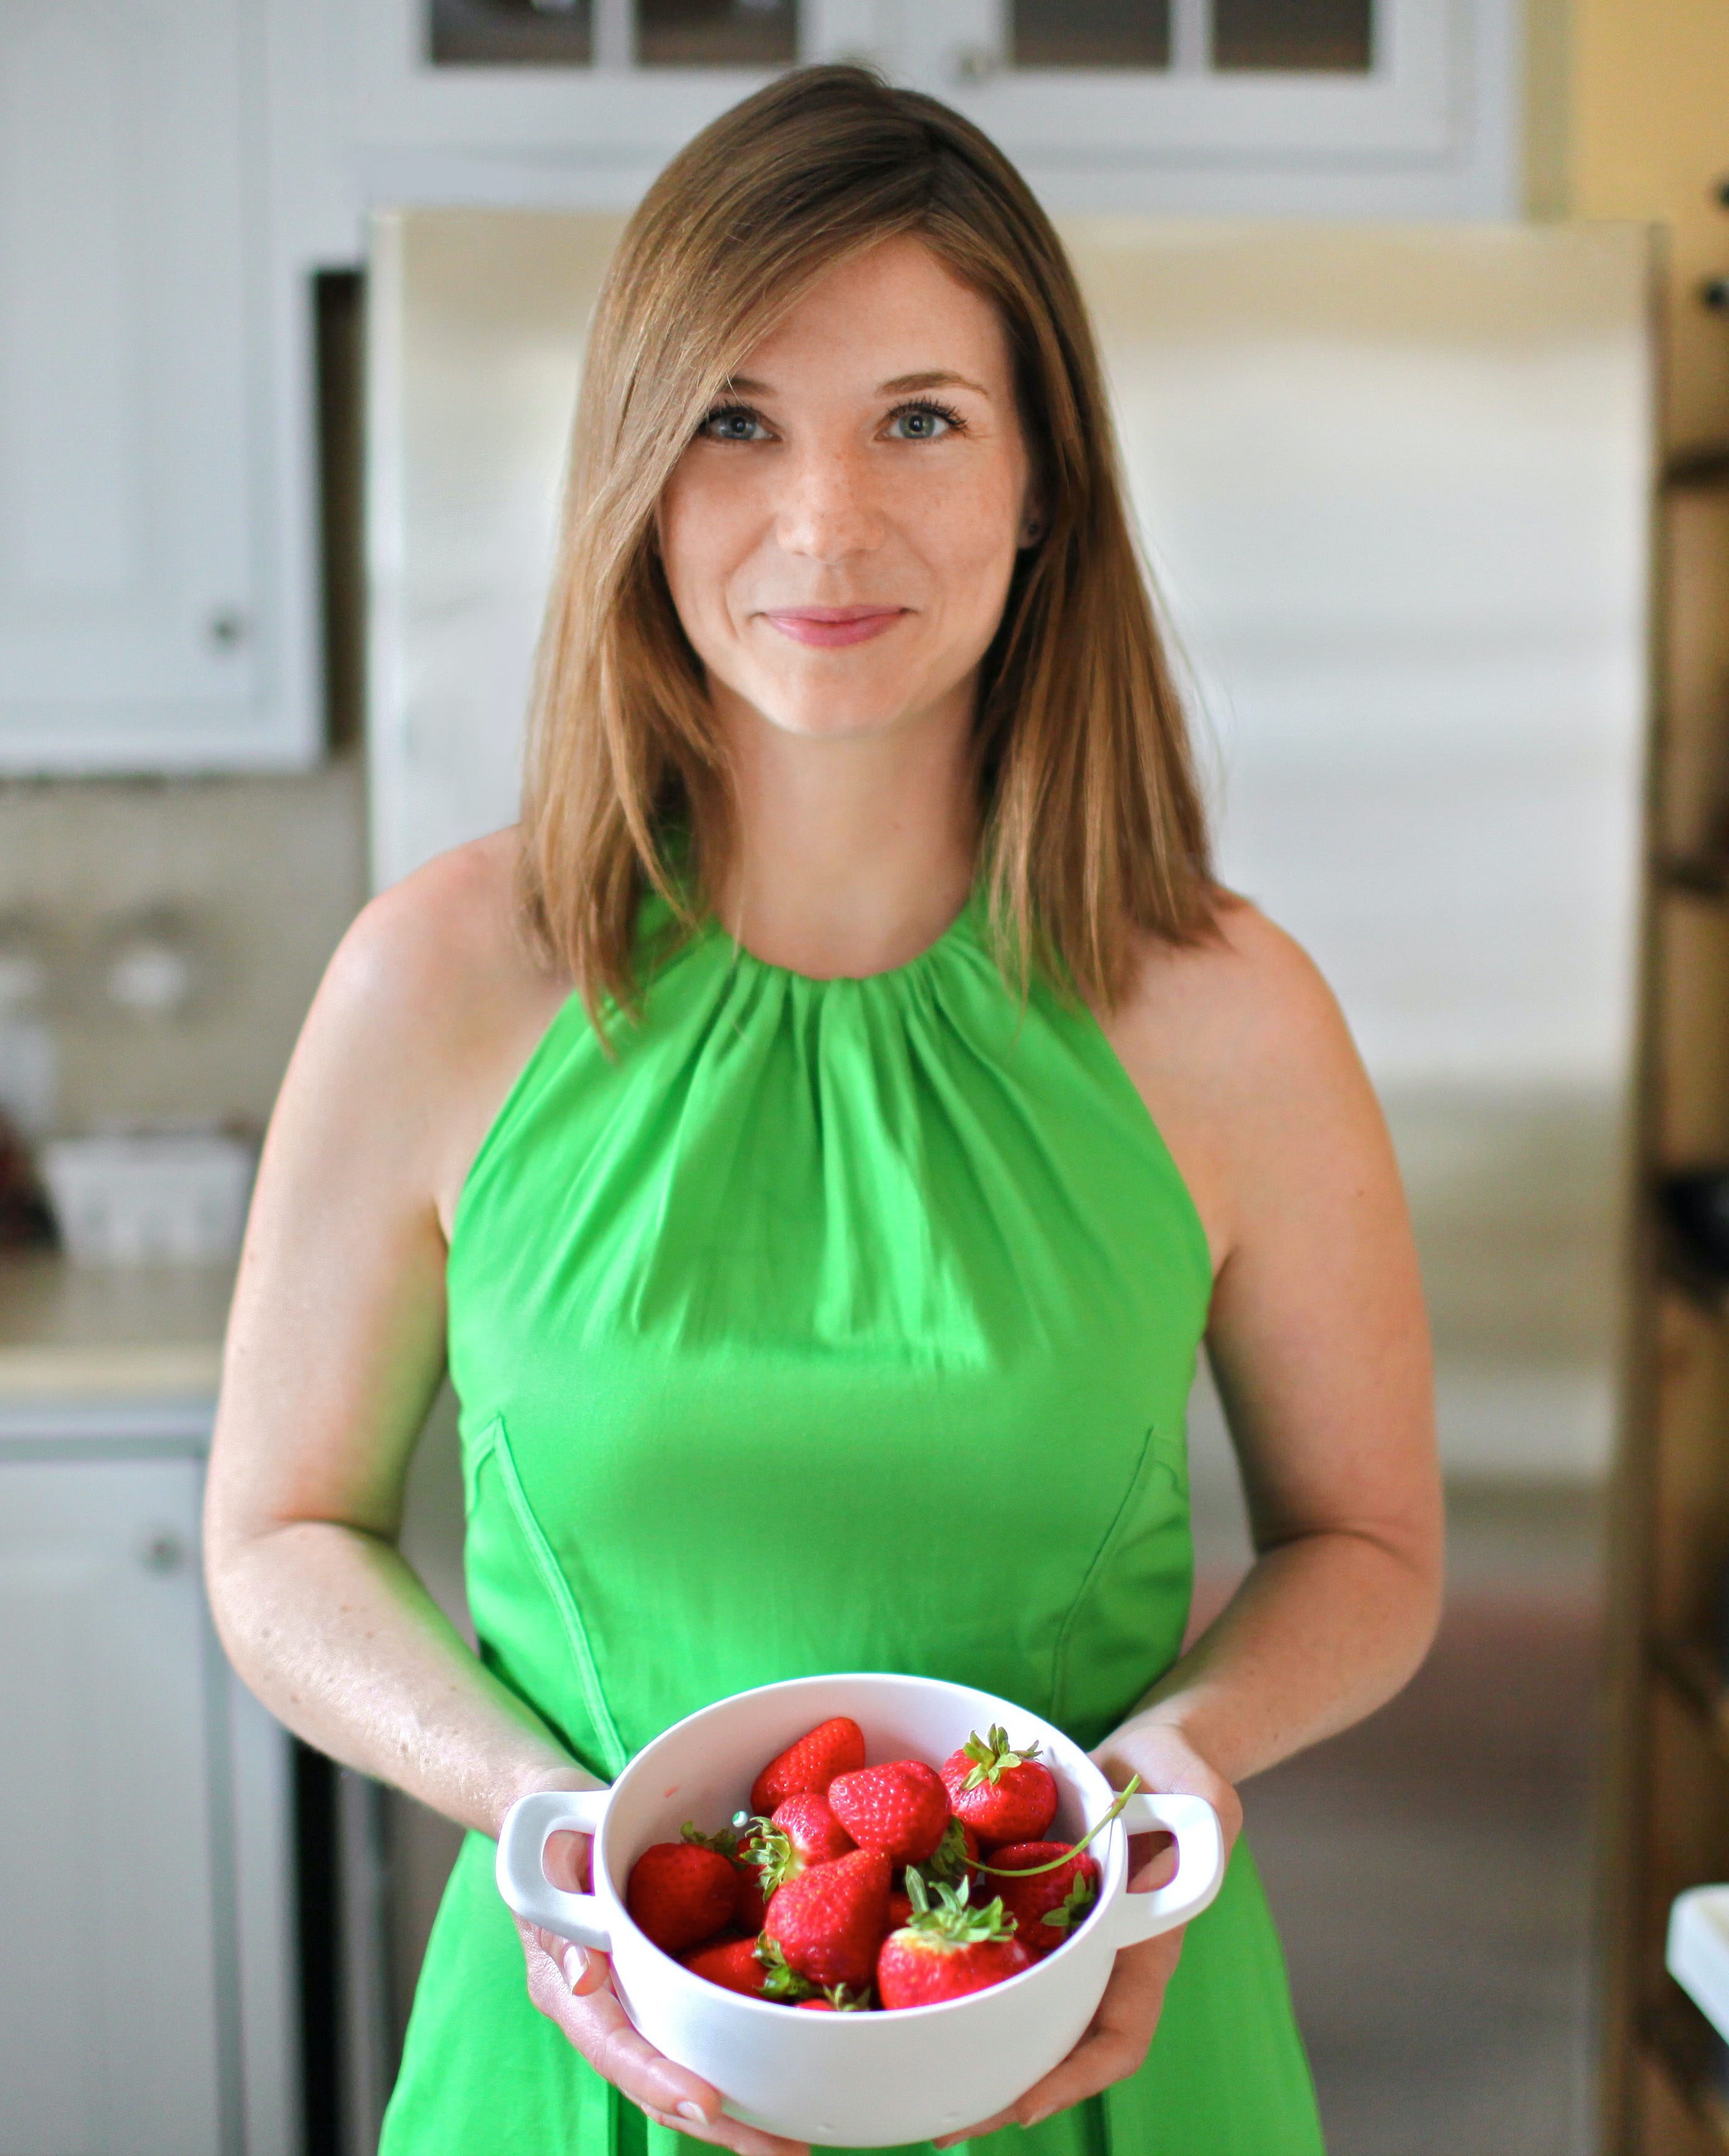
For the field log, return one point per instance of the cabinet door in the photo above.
(130, 625)
(109, 1978)
(1280, 108)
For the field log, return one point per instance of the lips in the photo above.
(827, 628)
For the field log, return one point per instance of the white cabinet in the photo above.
(1337, 108)
(145, 1984)
(147, 599)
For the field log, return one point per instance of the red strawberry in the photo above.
(900, 1909)
(1001, 1794)
(838, 2001)
(832, 1748)
(748, 1905)
(830, 1921)
(901, 1808)
(733, 1965)
(1047, 1905)
(681, 1894)
(946, 1951)
(804, 1831)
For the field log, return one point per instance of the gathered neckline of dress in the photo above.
(961, 928)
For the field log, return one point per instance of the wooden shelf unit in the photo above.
(1666, 1823)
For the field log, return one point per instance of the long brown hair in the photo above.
(1094, 829)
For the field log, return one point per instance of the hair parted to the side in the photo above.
(1094, 829)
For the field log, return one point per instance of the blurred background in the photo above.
(1421, 366)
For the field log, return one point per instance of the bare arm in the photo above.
(1320, 1343)
(336, 1346)
(1320, 1346)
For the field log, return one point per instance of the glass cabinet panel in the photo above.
(716, 32)
(1091, 33)
(509, 34)
(1332, 36)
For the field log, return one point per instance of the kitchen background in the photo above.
(1443, 323)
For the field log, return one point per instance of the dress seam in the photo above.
(563, 1602)
(1059, 1653)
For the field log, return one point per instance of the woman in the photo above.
(819, 1136)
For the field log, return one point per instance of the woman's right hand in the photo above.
(572, 1985)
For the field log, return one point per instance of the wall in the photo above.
(1648, 136)
(267, 872)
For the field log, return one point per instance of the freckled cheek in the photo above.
(707, 534)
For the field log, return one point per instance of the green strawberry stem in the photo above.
(1056, 1864)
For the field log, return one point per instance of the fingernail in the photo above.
(576, 1966)
(1035, 2118)
(694, 2110)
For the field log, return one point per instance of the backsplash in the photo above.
(264, 874)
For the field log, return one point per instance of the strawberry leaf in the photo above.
(953, 1922)
(780, 1982)
(723, 1844)
(949, 1861)
(771, 1851)
(1074, 1905)
(993, 1756)
(845, 2001)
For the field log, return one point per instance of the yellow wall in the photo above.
(1646, 135)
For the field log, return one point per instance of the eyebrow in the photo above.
(936, 377)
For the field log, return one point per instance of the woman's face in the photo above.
(840, 536)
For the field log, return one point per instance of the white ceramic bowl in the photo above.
(866, 2080)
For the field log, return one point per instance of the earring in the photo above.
(1031, 532)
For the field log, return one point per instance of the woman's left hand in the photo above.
(1118, 2036)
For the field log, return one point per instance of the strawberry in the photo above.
(832, 1748)
(803, 1831)
(901, 1808)
(838, 1999)
(1047, 1907)
(830, 1921)
(946, 1951)
(733, 1965)
(900, 1909)
(1002, 1795)
(681, 1894)
(748, 1906)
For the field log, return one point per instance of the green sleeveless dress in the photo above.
(834, 1324)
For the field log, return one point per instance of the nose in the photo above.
(826, 513)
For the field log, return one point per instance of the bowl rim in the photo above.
(1112, 1851)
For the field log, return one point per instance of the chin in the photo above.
(824, 714)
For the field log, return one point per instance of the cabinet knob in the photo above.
(162, 1551)
(226, 627)
(975, 63)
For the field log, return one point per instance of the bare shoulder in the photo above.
(1232, 1011)
(431, 1004)
(1240, 1050)
(453, 930)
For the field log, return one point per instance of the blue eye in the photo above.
(922, 423)
(734, 423)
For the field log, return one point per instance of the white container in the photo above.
(868, 2081)
(1698, 1954)
(150, 1196)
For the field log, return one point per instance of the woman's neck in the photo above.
(850, 855)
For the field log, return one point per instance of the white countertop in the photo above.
(126, 1335)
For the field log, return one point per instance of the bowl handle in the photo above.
(1199, 1865)
(521, 1869)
